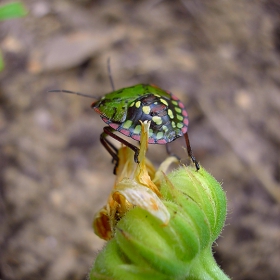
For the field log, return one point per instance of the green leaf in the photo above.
(12, 10)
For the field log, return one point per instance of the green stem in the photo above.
(205, 267)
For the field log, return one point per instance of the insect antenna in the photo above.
(88, 95)
(73, 92)
(110, 74)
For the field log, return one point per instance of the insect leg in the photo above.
(109, 131)
(112, 150)
(189, 149)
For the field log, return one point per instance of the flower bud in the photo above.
(166, 223)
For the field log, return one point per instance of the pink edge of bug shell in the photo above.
(184, 129)
(115, 126)
(186, 122)
(125, 132)
(184, 113)
(161, 141)
(136, 137)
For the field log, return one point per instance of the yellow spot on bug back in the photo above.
(180, 125)
(137, 129)
(164, 101)
(146, 109)
(159, 135)
(157, 120)
(138, 104)
(174, 102)
(165, 128)
(132, 104)
(173, 124)
(180, 118)
(178, 110)
(170, 114)
(127, 124)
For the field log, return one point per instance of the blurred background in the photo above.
(221, 58)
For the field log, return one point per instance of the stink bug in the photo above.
(123, 109)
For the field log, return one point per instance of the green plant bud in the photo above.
(159, 228)
(145, 248)
(187, 187)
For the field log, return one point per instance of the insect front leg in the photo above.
(112, 150)
(108, 131)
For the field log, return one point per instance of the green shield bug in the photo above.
(123, 109)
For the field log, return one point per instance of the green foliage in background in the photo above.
(8, 11)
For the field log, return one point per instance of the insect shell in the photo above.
(124, 108)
